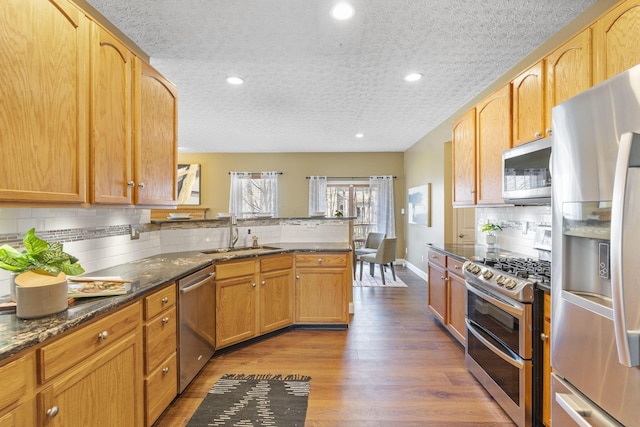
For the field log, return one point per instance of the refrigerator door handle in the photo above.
(627, 341)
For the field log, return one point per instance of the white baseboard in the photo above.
(422, 274)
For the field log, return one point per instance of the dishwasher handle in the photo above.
(197, 284)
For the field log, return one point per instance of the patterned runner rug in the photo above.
(254, 400)
(376, 280)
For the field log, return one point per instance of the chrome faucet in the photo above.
(233, 230)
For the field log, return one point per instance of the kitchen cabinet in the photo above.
(155, 137)
(111, 175)
(493, 133)
(321, 285)
(464, 159)
(17, 393)
(616, 40)
(529, 117)
(245, 310)
(447, 293)
(92, 376)
(160, 352)
(546, 362)
(44, 91)
(569, 71)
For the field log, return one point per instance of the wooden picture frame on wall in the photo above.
(188, 184)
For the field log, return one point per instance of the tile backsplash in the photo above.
(100, 238)
(519, 225)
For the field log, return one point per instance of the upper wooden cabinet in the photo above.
(155, 137)
(568, 71)
(464, 159)
(529, 106)
(110, 153)
(44, 89)
(493, 134)
(616, 37)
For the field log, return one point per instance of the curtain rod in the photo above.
(350, 177)
(258, 173)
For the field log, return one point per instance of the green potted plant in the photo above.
(39, 258)
(490, 229)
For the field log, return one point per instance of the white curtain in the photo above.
(269, 199)
(382, 205)
(318, 194)
(236, 192)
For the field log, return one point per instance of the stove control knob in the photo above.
(500, 280)
(510, 284)
(487, 275)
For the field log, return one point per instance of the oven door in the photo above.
(494, 334)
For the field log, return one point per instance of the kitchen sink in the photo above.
(242, 249)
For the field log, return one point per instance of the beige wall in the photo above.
(295, 167)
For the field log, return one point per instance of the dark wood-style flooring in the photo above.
(394, 366)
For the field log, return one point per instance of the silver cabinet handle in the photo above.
(141, 185)
(549, 131)
(165, 300)
(53, 411)
(319, 260)
(253, 285)
(165, 370)
(297, 277)
(131, 184)
(538, 135)
(103, 335)
(543, 336)
(165, 320)
(264, 282)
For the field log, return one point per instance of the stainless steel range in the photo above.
(500, 326)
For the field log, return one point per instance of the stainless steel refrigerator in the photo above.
(595, 319)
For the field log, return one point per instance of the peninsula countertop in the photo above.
(147, 274)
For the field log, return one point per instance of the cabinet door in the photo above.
(235, 310)
(110, 151)
(464, 159)
(44, 92)
(546, 362)
(493, 123)
(528, 105)
(321, 295)
(22, 416)
(617, 40)
(105, 390)
(568, 71)
(437, 295)
(457, 307)
(276, 300)
(155, 137)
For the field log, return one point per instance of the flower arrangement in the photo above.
(490, 228)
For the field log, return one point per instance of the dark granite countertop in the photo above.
(472, 251)
(148, 274)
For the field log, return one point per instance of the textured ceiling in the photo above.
(312, 83)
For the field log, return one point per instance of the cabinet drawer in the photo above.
(235, 269)
(437, 258)
(77, 346)
(158, 301)
(160, 388)
(159, 339)
(280, 262)
(15, 379)
(454, 266)
(321, 260)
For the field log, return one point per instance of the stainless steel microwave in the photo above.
(526, 173)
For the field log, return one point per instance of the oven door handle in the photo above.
(511, 309)
(517, 362)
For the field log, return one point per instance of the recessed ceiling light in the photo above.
(359, 135)
(342, 11)
(413, 77)
(232, 80)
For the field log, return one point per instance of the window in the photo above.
(253, 193)
(352, 199)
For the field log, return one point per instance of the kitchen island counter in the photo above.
(147, 274)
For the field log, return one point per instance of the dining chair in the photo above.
(370, 247)
(386, 254)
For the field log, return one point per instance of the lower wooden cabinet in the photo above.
(447, 293)
(546, 362)
(253, 297)
(160, 352)
(93, 376)
(17, 392)
(321, 288)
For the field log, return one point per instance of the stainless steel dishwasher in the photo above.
(196, 311)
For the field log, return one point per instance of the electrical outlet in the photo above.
(134, 232)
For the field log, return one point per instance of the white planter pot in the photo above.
(491, 240)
